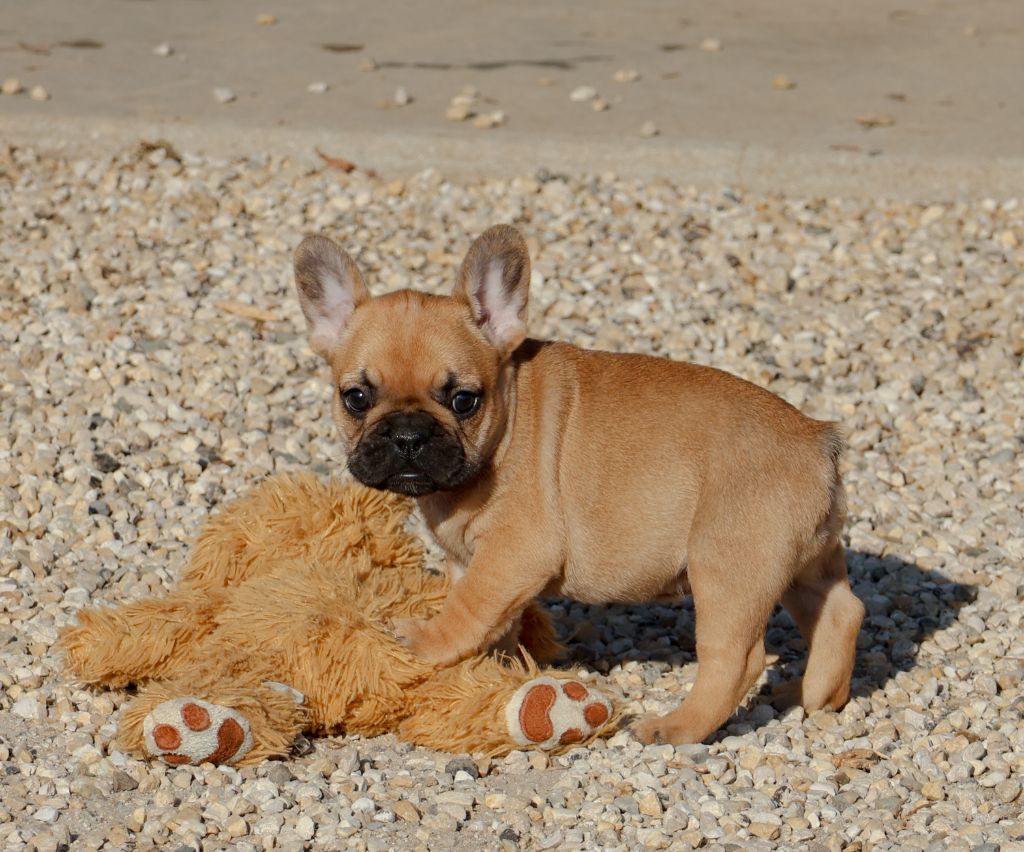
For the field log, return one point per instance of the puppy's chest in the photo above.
(450, 534)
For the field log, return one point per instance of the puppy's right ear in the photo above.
(330, 288)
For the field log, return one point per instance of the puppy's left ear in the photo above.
(330, 288)
(495, 281)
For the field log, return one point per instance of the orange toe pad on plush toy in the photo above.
(548, 713)
(192, 731)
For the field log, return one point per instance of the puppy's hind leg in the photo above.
(532, 632)
(732, 614)
(829, 616)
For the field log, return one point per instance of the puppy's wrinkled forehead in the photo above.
(409, 344)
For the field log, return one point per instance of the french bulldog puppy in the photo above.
(546, 469)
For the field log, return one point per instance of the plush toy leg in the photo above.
(190, 730)
(195, 719)
(549, 713)
(115, 646)
(487, 706)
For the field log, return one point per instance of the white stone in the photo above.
(364, 805)
(47, 814)
(583, 93)
(29, 708)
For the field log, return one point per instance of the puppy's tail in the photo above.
(834, 446)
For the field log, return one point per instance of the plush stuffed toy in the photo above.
(280, 625)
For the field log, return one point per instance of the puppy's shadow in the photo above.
(905, 605)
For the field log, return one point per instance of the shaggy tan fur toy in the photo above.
(280, 625)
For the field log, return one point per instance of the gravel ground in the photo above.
(154, 365)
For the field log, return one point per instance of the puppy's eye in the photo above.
(356, 400)
(465, 402)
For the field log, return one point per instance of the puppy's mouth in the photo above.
(410, 453)
(410, 482)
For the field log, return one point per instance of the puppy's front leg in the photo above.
(482, 604)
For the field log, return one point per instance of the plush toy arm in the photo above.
(298, 517)
(485, 706)
(115, 646)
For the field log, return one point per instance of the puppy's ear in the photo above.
(495, 281)
(330, 288)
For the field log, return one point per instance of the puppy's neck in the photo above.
(441, 506)
(507, 389)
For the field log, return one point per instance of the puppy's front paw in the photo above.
(673, 728)
(408, 632)
(425, 640)
(649, 729)
(665, 729)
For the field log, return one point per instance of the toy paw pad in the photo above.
(547, 713)
(192, 731)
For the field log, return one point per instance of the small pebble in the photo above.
(29, 708)
(487, 120)
(626, 75)
(649, 130)
(459, 110)
(583, 93)
(163, 49)
(280, 774)
(875, 119)
(463, 105)
(406, 811)
(223, 95)
(318, 87)
(401, 97)
(236, 827)
(766, 831)
(266, 20)
(39, 93)
(122, 781)
(47, 814)
(11, 86)
(711, 45)
(1008, 791)
(462, 764)
(364, 805)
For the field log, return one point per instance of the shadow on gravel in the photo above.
(905, 605)
(494, 65)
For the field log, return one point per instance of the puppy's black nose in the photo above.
(409, 432)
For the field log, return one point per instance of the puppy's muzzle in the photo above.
(411, 453)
